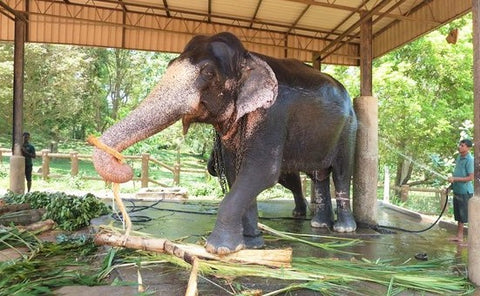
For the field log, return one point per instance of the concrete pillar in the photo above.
(474, 240)
(17, 174)
(474, 204)
(366, 161)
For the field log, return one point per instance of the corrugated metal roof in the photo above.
(298, 29)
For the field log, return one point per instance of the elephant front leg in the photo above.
(251, 234)
(345, 220)
(227, 235)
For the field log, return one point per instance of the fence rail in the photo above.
(146, 161)
(176, 170)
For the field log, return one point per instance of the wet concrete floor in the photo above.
(192, 221)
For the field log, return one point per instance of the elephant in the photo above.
(274, 116)
(217, 167)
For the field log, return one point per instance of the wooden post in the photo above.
(404, 192)
(17, 161)
(144, 176)
(316, 62)
(45, 164)
(366, 153)
(474, 203)
(366, 58)
(74, 160)
(176, 174)
(443, 200)
(386, 185)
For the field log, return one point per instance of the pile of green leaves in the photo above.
(50, 266)
(70, 212)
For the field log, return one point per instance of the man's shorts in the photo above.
(460, 207)
(28, 172)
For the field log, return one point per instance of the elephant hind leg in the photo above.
(323, 214)
(342, 174)
(292, 182)
(345, 220)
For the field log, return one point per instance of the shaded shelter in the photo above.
(342, 32)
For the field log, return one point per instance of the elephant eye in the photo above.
(207, 73)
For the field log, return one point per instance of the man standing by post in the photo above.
(28, 151)
(462, 186)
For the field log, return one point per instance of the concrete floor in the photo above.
(191, 220)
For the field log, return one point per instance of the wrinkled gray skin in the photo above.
(274, 116)
(217, 167)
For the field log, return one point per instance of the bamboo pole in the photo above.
(272, 258)
(192, 288)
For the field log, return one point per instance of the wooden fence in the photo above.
(405, 190)
(74, 157)
(176, 170)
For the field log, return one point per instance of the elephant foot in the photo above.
(299, 213)
(321, 220)
(345, 221)
(254, 242)
(224, 242)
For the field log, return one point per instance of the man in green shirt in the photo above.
(28, 151)
(462, 186)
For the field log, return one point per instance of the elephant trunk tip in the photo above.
(110, 168)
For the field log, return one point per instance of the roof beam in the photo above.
(367, 15)
(354, 9)
(167, 10)
(374, 21)
(255, 13)
(11, 13)
(297, 20)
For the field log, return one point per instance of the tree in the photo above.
(54, 87)
(425, 95)
(6, 87)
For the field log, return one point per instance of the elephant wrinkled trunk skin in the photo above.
(164, 106)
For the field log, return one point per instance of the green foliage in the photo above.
(425, 92)
(67, 263)
(70, 212)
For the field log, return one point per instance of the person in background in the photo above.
(462, 186)
(28, 151)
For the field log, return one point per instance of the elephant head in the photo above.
(214, 80)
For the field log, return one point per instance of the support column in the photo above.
(17, 161)
(366, 156)
(366, 161)
(316, 62)
(474, 204)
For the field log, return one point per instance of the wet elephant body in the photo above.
(217, 167)
(275, 118)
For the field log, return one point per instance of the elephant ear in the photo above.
(259, 88)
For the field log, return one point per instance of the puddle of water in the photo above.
(192, 221)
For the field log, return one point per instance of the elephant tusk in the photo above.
(96, 142)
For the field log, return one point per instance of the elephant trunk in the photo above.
(172, 98)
